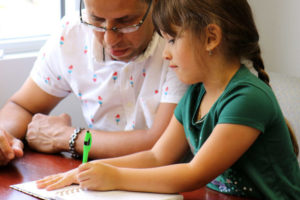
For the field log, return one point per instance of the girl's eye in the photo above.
(172, 41)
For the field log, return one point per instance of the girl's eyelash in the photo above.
(172, 41)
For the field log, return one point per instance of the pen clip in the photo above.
(88, 139)
(86, 146)
(88, 142)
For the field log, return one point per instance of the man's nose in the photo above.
(112, 37)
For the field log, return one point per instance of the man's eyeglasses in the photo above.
(127, 29)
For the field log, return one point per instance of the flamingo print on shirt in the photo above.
(131, 81)
(62, 40)
(80, 95)
(85, 49)
(115, 76)
(65, 24)
(166, 90)
(100, 100)
(144, 72)
(92, 121)
(47, 80)
(118, 118)
(70, 69)
(95, 78)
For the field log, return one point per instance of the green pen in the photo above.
(86, 146)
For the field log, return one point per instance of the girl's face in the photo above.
(185, 59)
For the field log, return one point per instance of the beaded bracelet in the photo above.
(72, 141)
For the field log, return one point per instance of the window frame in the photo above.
(31, 44)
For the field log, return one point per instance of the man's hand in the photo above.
(48, 133)
(10, 147)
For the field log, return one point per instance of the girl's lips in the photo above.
(172, 66)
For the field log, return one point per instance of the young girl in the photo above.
(229, 118)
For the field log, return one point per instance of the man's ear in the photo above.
(213, 35)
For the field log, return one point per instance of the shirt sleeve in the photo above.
(173, 88)
(47, 69)
(249, 106)
(182, 106)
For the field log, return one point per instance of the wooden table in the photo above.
(35, 165)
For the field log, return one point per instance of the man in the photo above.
(111, 60)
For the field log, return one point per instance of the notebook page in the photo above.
(73, 192)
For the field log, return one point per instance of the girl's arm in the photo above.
(223, 148)
(168, 149)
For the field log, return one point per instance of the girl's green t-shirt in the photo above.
(269, 169)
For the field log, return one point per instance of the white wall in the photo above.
(278, 22)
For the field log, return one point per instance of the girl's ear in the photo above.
(213, 37)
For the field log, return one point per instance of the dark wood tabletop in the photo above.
(36, 165)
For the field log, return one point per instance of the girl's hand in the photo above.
(57, 181)
(97, 176)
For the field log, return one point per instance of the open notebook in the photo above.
(73, 192)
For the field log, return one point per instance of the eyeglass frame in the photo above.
(134, 27)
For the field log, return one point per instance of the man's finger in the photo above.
(3, 159)
(18, 147)
(5, 147)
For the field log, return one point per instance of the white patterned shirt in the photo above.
(114, 95)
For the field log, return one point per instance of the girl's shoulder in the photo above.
(246, 83)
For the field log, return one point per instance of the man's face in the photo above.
(121, 13)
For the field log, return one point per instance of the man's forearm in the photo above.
(14, 119)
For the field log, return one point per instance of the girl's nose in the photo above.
(166, 54)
